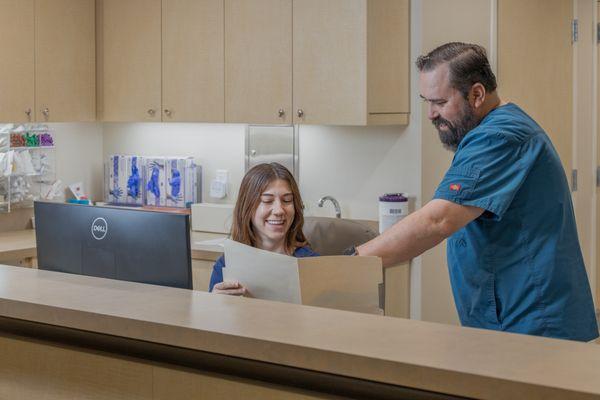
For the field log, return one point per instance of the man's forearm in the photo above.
(407, 239)
(419, 231)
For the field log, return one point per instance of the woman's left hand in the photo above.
(233, 288)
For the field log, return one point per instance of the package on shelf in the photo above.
(155, 182)
(3, 191)
(124, 180)
(182, 181)
(17, 140)
(6, 163)
(30, 136)
(21, 190)
(46, 139)
(43, 162)
(22, 163)
(115, 179)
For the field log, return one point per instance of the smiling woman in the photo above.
(267, 215)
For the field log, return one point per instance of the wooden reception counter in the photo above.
(69, 336)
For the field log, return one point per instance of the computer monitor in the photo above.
(117, 243)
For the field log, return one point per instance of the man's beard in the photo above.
(456, 131)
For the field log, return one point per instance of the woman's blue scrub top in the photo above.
(217, 273)
(518, 267)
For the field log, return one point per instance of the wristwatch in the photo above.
(350, 251)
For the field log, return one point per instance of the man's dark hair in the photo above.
(468, 64)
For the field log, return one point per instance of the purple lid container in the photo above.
(393, 197)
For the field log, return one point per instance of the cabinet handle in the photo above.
(281, 112)
(151, 112)
(28, 112)
(168, 112)
(300, 113)
(46, 112)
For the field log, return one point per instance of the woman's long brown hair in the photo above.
(254, 183)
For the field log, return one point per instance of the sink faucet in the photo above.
(322, 200)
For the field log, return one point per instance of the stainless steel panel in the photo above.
(272, 143)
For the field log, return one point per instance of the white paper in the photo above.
(266, 275)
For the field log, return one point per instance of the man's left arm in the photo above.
(419, 231)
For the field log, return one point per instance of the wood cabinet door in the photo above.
(330, 62)
(192, 59)
(17, 61)
(65, 64)
(388, 65)
(597, 299)
(258, 61)
(535, 65)
(201, 272)
(131, 65)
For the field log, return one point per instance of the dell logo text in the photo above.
(99, 228)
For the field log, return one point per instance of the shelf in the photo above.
(42, 128)
(32, 148)
(24, 175)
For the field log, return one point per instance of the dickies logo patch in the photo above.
(455, 187)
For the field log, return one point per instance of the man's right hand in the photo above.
(233, 288)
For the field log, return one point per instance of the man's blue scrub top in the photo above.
(518, 267)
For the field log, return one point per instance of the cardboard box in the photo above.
(124, 180)
(340, 282)
(182, 182)
(155, 182)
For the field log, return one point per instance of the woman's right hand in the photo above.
(233, 288)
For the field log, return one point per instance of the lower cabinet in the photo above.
(36, 369)
(397, 290)
(201, 271)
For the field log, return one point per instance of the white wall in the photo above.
(356, 165)
(79, 155)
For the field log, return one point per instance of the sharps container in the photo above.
(392, 208)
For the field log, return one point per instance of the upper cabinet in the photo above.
(48, 62)
(258, 61)
(16, 63)
(388, 62)
(161, 61)
(129, 43)
(65, 63)
(338, 62)
(192, 60)
(330, 61)
(351, 62)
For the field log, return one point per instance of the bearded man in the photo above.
(504, 204)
